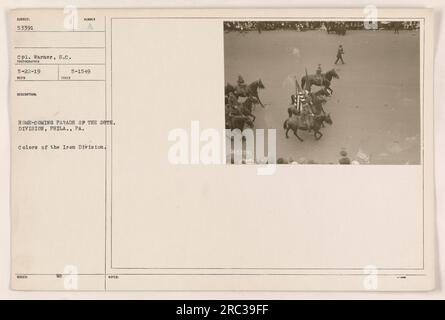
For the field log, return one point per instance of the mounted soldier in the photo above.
(245, 90)
(318, 72)
(232, 100)
(241, 86)
(240, 81)
(307, 114)
(303, 106)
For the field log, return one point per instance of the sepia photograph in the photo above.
(336, 92)
(125, 178)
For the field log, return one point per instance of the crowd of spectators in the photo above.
(244, 26)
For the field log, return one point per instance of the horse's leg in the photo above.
(322, 123)
(317, 135)
(252, 103)
(330, 90)
(258, 98)
(296, 134)
(286, 127)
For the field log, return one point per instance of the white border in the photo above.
(438, 5)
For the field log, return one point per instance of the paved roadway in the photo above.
(376, 102)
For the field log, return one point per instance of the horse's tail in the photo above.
(285, 124)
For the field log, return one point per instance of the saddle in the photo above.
(241, 89)
(319, 77)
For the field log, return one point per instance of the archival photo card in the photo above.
(222, 149)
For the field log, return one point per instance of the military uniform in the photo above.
(232, 100)
(302, 104)
(241, 85)
(340, 53)
(318, 73)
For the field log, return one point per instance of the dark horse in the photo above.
(238, 121)
(322, 81)
(296, 122)
(247, 106)
(317, 99)
(317, 109)
(250, 90)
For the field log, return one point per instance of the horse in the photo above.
(236, 118)
(316, 108)
(247, 106)
(228, 89)
(250, 90)
(317, 99)
(238, 122)
(314, 97)
(322, 81)
(296, 122)
(322, 93)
